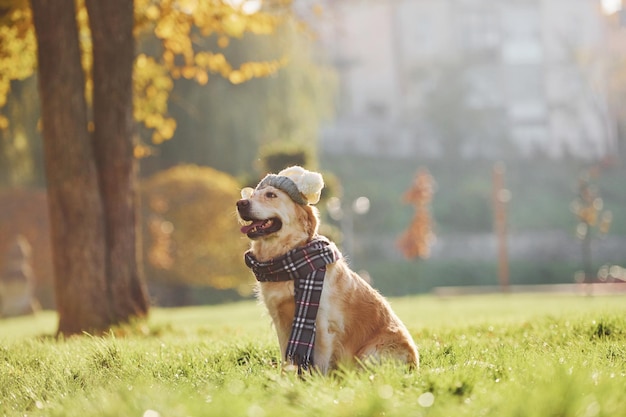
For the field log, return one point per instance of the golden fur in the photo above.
(354, 321)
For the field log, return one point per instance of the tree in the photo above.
(86, 92)
(224, 125)
(21, 148)
(177, 25)
(416, 241)
(593, 220)
(111, 25)
(18, 155)
(178, 50)
(90, 177)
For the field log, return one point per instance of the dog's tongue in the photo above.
(246, 229)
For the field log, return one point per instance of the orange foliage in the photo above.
(589, 209)
(416, 241)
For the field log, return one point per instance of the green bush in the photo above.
(276, 156)
(191, 233)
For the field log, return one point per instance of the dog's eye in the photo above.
(270, 194)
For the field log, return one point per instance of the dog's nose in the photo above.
(242, 204)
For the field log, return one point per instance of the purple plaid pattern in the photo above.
(306, 266)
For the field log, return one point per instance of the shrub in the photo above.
(25, 212)
(191, 234)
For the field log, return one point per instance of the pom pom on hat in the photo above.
(303, 186)
(309, 183)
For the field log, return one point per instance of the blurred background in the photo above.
(463, 142)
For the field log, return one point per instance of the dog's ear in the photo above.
(311, 219)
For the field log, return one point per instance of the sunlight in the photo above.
(246, 6)
(426, 400)
(611, 6)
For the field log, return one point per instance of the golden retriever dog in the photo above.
(354, 323)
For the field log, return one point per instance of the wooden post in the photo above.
(501, 196)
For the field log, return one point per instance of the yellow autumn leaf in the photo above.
(4, 91)
(157, 138)
(174, 45)
(168, 58)
(167, 128)
(188, 72)
(165, 29)
(154, 120)
(153, 12)
(234, 26)
(142, 151)
(217, 61)
(236, 77)
(202, 77)
(223, 41)
(202, 59)
(141, 61)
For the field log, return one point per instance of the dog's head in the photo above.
(278, 210)
(270, 212)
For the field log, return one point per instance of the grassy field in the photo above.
(514, 355)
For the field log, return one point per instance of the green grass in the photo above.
(514, 355)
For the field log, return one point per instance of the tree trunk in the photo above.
(111, 24)
(587, 257)
(73, 192)
(91, 181)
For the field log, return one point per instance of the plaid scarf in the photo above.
(306, 266)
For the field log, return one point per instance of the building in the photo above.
(470, 77)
